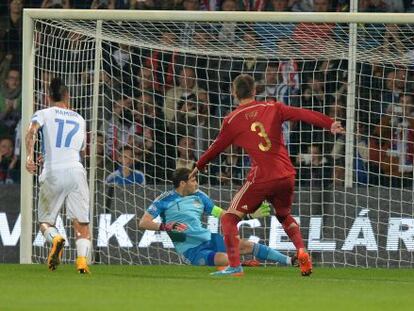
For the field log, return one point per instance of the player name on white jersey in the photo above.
(62, 136)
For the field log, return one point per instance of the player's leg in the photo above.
(51, 197)
(77, 206)
(83, 245)
(282, 202)
(263, 252)
(246, 200)
(53, 237)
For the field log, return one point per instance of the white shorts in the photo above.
(63, 186)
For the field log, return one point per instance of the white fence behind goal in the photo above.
(154, 93)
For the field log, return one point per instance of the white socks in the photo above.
(50, 233)
(82, 247)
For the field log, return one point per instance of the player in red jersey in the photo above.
(257, 128)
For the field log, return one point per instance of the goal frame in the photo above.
(29, 15)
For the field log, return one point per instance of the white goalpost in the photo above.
(154, 87)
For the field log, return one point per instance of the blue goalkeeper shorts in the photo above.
(203, 255)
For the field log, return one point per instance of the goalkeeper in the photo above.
(181, 210)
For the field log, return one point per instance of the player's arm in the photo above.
(82, 152)
(147, 223)
(312, 117)
(30, 140)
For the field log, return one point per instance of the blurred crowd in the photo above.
(160, 109)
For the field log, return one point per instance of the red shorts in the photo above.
(279, 192)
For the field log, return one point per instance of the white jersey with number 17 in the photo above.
(63, 137)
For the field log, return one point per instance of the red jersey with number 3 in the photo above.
(257, 128)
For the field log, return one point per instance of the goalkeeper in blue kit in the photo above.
(181, 210)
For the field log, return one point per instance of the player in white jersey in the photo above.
(63, 178)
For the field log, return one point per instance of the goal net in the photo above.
(154, 94)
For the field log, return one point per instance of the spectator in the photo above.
(362, 164)
(266, 87)
(116, 129)
(335, 149)
(312, 170)
(228, 33)
(13, 34)
(161, 63)
(397, 6)
(42, 82)
(187, 29)
(103, 4)
(10, 87)
(191, 114)
(55, 4)
(252, 65)
(273, 86)
(278, 6)
(148, 85)
(280, 33)
(185, 153)
(311, 5)
(230, 170)
(393, 39)
(119, 60)
(210, 5)
(9, 117)
(371, 87)
(392, 145)
(147, 138)
(314, 38)
(190, 5)
(143, 5)
(252, 5)
(313, 97)
(126, 174)
(371, 6)
(395, 86)
(9, 173)
(10, 92)
(187, 90)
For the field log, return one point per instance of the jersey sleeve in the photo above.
(305, 115)
(156, 208)
(223, 140)
(110, 179)
(39, 118)
(207, 202)
(139, 177)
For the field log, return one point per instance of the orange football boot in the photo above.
(55, 254)
(305, 262)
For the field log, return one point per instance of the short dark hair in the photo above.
(57, 89)
(179, 175)
(243, 86)
(127, 148)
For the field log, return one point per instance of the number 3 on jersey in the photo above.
(258, 127)
(61, 123)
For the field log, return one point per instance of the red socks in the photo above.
(293, 231)
(229, 227)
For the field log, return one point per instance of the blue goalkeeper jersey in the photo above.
(171, 206)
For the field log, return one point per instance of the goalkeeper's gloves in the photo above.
(173, 226)
(262, 211)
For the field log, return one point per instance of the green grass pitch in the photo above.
(168, 288)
